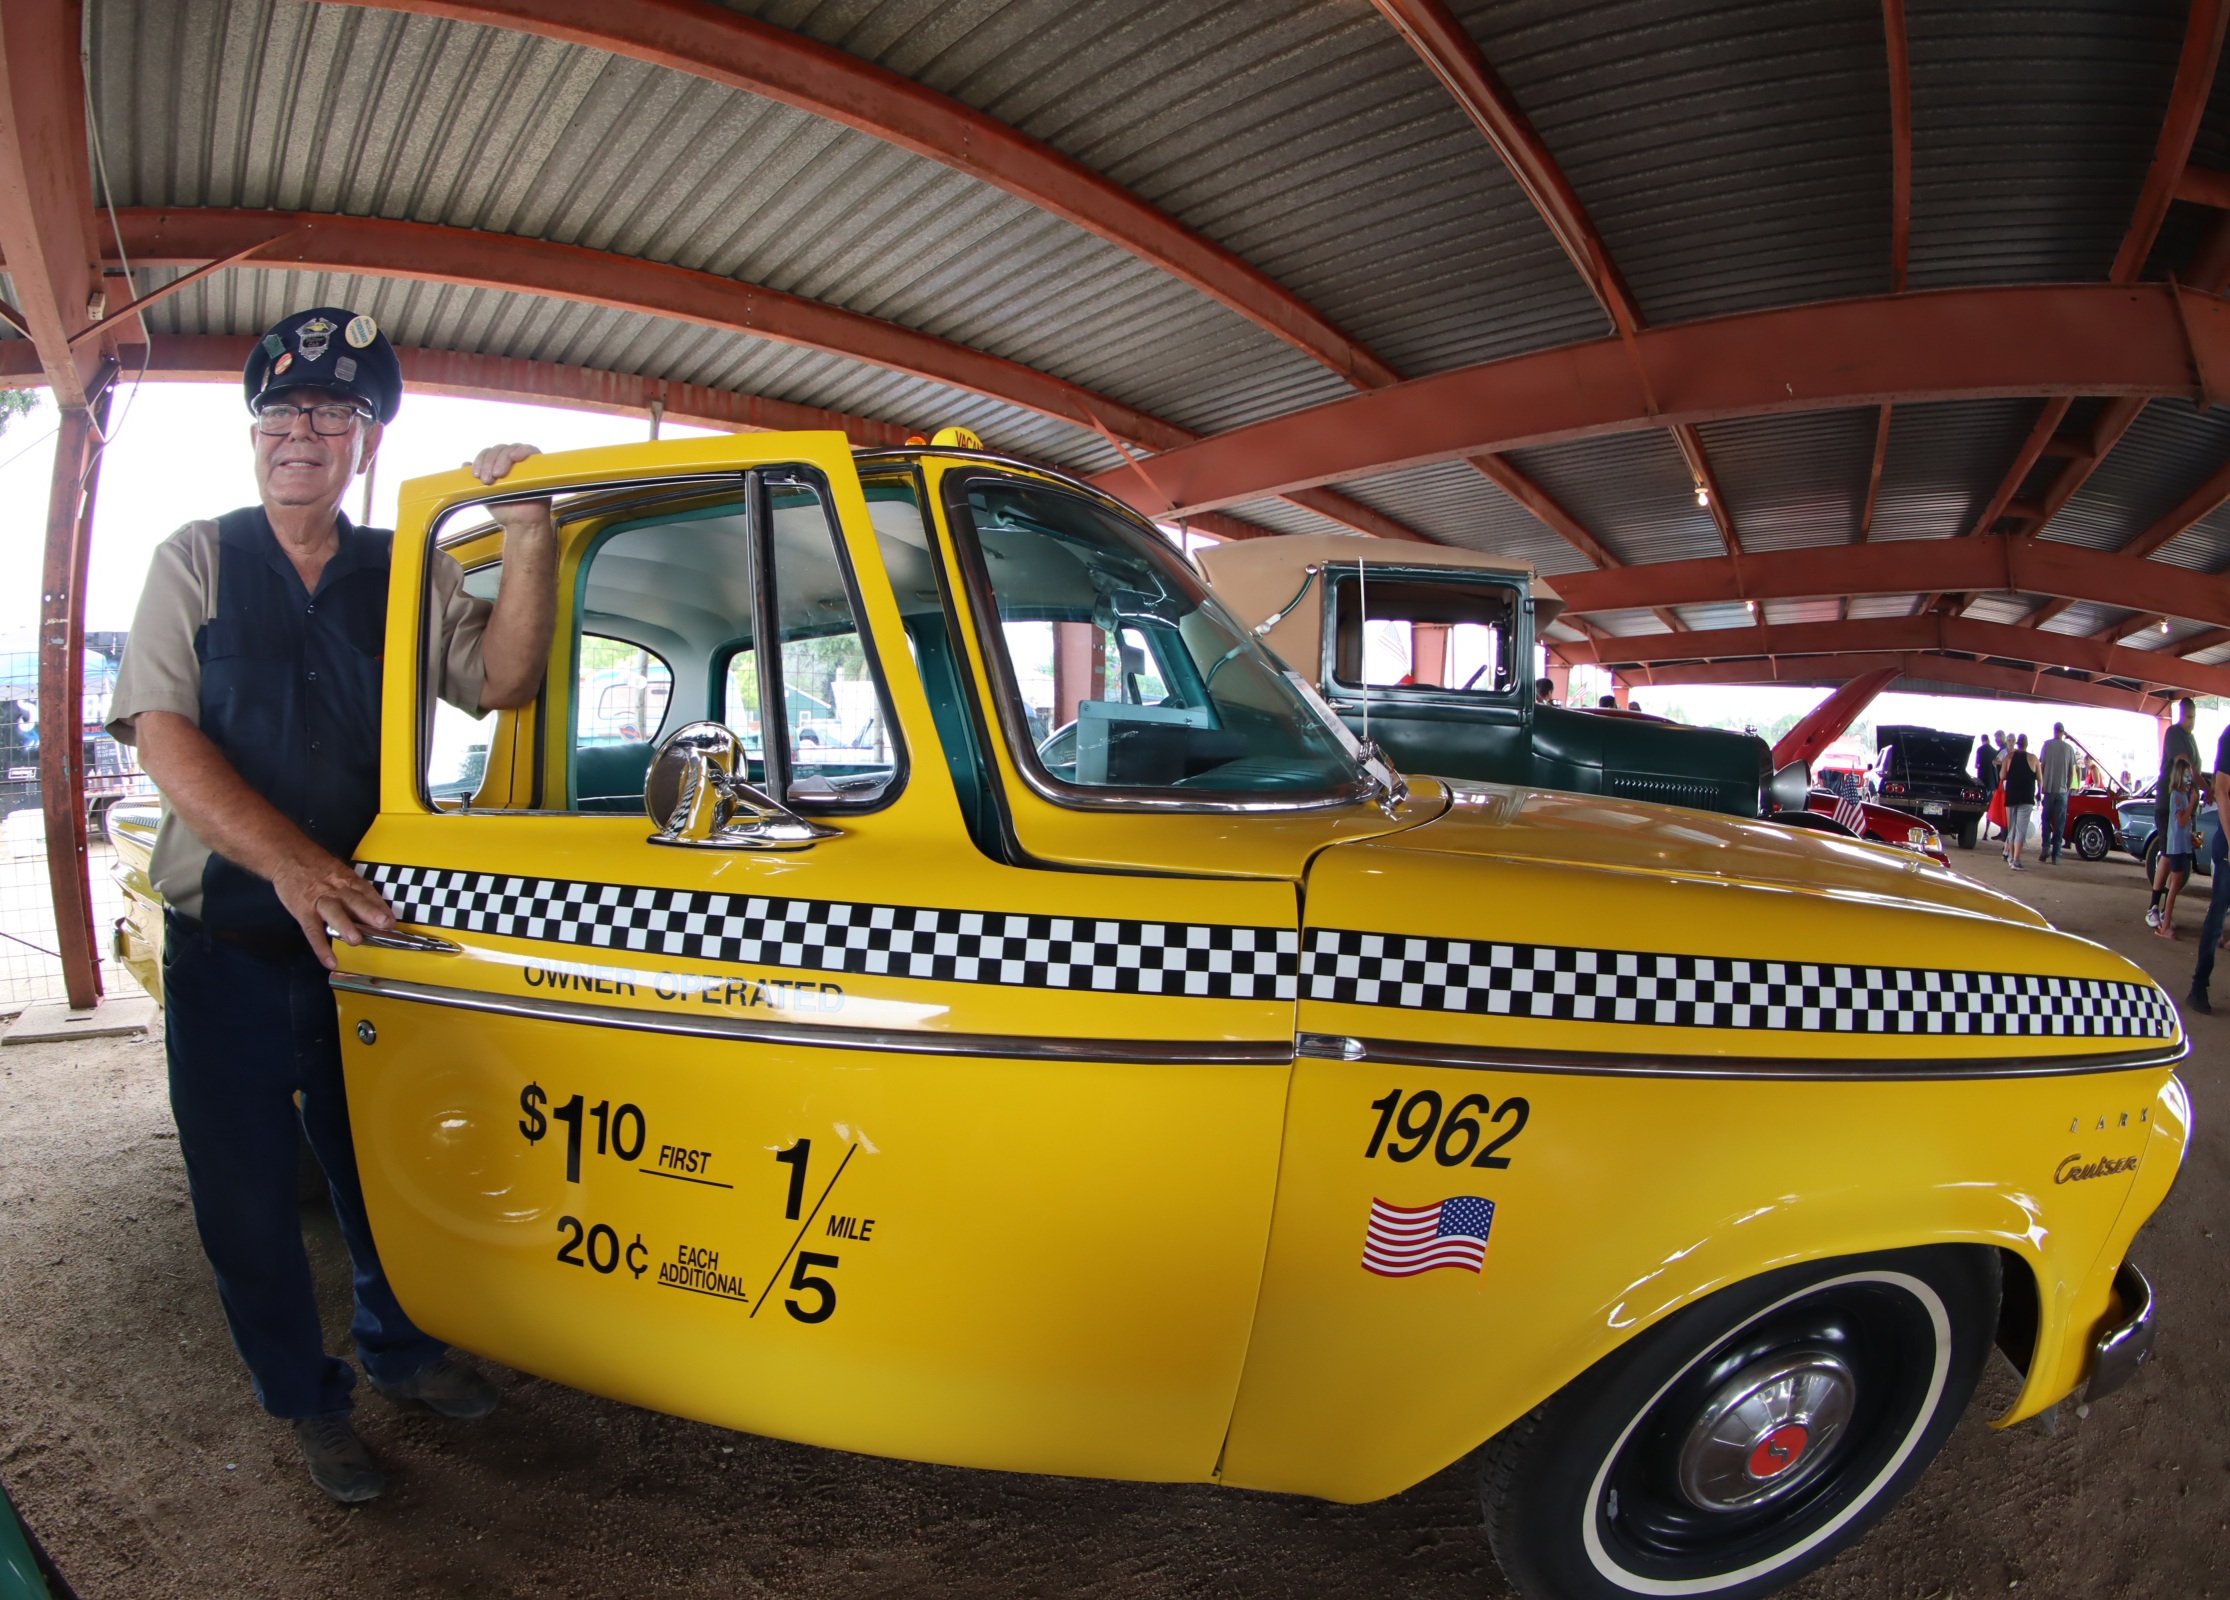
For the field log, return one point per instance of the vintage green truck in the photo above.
(1441, 674)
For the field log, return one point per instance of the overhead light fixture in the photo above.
(1703, 496)
(2164, 627)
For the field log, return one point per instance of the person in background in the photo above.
(1986, 773)
(2020, 799)
(1608, 702)
(2057, 766)
(2212, 933)
(1544, 691)
(2175, 854)
(2178, 741)
(1999, 755)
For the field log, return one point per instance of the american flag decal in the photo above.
(1405, 1240)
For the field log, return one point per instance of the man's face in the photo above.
(303, 467)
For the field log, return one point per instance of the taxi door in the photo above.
(871, 1142)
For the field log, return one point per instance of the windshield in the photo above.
(1121, 671)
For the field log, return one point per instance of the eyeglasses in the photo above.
(330, 420)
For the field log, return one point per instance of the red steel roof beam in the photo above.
(1916, 665)
(2052, 339)
(1993, 564)
(1964, 635)
(1454, 57)
(714, 43)
(46, 190)
(2192, 509)
(2209, 640)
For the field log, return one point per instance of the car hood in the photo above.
(1603, 835)
(1929, 749)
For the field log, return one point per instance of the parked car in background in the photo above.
(1865, 819)
(2139, 838)
(1927, 771)
(2094, 823)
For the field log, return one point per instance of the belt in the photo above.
(278, 946)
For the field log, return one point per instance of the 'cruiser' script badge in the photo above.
(2075, 1169)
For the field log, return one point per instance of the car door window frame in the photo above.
(457, 525)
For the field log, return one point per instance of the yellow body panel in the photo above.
(1093, 1231)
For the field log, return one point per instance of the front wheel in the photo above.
(1748, 1438)
(2093, 839)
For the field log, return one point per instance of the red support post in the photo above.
(69, 527)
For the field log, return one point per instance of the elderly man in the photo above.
(2057, 762)
(251, 685)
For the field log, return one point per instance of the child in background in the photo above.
(2183, 816)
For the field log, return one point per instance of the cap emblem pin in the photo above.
(312, 338)
(360, 332)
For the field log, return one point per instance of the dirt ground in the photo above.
(130, 1441)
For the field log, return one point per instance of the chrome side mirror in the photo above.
(698, 798)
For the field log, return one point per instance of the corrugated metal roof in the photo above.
(1944, 461)
(2032, 127)
(1797, 480)
(2170, 448)
(1631, 490)
(1675, 123)
(246, 103)
(1454, 504)
(1307, 138)
(1732, 156)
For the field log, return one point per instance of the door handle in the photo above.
(424, 944)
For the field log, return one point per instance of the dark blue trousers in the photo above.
(2217, 904)
(246, 1035)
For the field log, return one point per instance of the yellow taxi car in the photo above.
(1082, 1057)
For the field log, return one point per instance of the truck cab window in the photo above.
(1431, 634)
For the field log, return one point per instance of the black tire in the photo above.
(2093, 839)
(1968, 828)
(1586, 1498)
(2153, 847)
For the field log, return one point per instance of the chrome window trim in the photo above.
(1605, 1064)
(1011, 1047)
(1013, 724)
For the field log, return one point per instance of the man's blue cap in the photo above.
(327, 348)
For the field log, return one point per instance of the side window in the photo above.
(662, 600)
(623, 693)
(1425, 634)
(457, 752)
(671, 611)
(839, 744)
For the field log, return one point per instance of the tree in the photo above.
(16, 403)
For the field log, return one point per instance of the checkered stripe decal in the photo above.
(1572, 985)
(1211, 960)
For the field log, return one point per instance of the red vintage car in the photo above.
(1882, 824)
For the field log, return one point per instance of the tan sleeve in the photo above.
(160, 671)
(454, 667)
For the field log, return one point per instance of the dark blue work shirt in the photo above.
(290, 694)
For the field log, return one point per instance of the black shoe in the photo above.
(2195, 1001)
(339, 1463)
(446, 1387)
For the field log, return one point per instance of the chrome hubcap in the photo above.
(1766, 1430)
